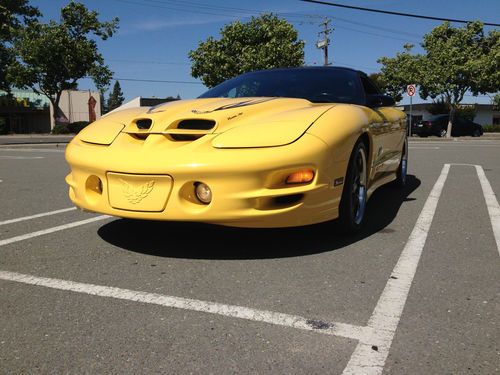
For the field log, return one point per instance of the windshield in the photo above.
(314, 84)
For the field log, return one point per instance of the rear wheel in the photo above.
(353, 203)
(442, 133)
(476, 133)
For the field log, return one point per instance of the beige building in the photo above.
(76, 106)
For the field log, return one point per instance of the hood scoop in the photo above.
(181, 130)
(190, 129)
(196, 124)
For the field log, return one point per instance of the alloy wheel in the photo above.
(358, 190)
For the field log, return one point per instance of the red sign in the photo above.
(91, 103)
(410, 90)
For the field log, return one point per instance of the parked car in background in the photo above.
(438, 125)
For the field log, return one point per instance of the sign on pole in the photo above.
(410, 90)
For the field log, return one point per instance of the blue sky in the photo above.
(155, 36)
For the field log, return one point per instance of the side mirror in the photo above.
(379, 101)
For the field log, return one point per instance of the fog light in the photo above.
(300, 177)
(203, 192)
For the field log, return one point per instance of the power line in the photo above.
(240, 12)
(157, 81)
(375, 34)
(147, 62)
(386, 29)
(394, 13)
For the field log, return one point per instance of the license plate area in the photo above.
(133, 192)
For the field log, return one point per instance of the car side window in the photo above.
(368, 86)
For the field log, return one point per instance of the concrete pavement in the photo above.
(121, 296)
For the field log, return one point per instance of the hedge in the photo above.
(491, 128)
(72, 128)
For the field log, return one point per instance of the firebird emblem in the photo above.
(135, 194)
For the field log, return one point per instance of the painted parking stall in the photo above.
(372, 340)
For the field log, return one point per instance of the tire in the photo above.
(353, 202)
(402, 171)
(442, 133)
(476, 133)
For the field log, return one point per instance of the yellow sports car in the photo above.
(273, 148)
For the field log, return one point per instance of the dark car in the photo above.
(438, 125)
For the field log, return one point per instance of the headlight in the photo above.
(203, 192)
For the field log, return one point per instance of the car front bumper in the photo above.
(149, 181)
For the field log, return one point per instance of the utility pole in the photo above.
(323, 43)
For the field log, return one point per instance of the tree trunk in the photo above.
(57, 111)
(450, 121)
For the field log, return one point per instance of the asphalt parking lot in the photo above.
(417, 292)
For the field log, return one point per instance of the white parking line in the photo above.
(370, 354)
(234, 311)
(491, 204)
(36, 216)
(375, 339)
(51, 230)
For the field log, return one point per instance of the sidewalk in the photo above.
(35, 139)
(484, 137)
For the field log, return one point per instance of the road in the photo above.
(417, 292)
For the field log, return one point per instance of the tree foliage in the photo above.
(496, 100)
(440, 106)
(14, 14)
(398, 72)
(116, 97)
(264, 42)
(459, 60)
(456, 60)
(381, 82)
(55, 55)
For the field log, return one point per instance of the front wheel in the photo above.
(476, 133)
(402, 171)
(442, 133)
(353, 202)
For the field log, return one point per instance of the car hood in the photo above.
(233, 122)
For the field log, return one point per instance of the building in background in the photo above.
(27, 112)
(486, 114)
(143, 102)
(76, 106)
(24, 112)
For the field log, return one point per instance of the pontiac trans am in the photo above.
(273, 148)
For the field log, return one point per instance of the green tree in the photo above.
(456, 60)
(398, 72)
(383, 85)
(264, 42)
(102, 100)
(116, 97)
(55, 55)
(14, 14)
(496, 100)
